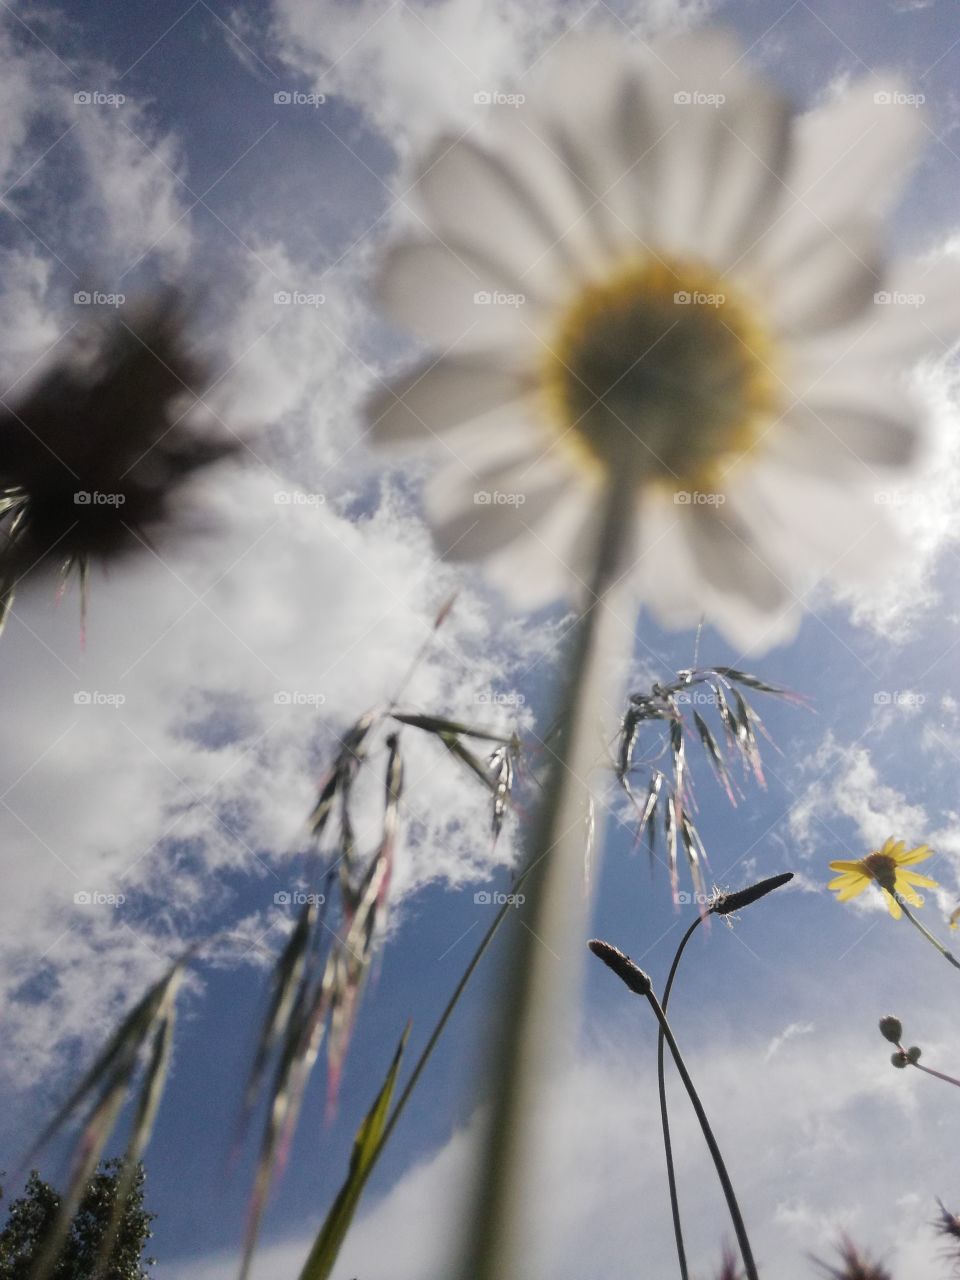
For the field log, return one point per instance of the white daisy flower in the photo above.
(653, 270)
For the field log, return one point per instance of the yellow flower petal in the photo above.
(894, 906)
(914, 877)
(848, 877)
(855, 867)
(915, 855)
(847, 891)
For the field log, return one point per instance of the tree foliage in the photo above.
(31, 1217)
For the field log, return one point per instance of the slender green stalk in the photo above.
(723, 904)
(542, 971)
(664, 1116)
(734, 1208)
(444, 1019)
(947, 955)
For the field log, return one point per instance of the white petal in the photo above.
(716, 175)
(827, 284)
(514, 464)
(452, 296)
(818, 529)
(441, 395)
(692, 565)
(916, 315)
(731, 562)
(921, 317)
(849, 160)
(594, 150)
(551, 561)
(664, 565)
(840, 437)
(513, 208)
(480, 529)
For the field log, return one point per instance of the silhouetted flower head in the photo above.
(854, 1265)
(91, 460)
(622, 966)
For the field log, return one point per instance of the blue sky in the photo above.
(190, 796)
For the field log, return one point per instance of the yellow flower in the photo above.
(884, 867)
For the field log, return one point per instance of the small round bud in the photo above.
(899, 1059)
(913, 1053)
(891, 1029)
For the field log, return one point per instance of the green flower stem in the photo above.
(734, 1208)
(444, 1019)
(664, 1117)
(541, 974)
(947, 955)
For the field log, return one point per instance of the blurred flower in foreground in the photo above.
(948, 1226)
(854, 1265)
(91, 461)
(678, 290)
(884, 868)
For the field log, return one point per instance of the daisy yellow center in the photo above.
(660, 369)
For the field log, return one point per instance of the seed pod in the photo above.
(891, 1029)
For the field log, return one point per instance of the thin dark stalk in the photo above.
(444, 1019)
(664, 1117)
(939, 1074)
(737, 1218)
(439, 1029)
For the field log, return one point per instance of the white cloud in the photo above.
(788, 1033)
(93, 186)
(928, 514)
(199, 772)
(848, 785)
(798, 1133)
(199, 782)
(415, 67)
